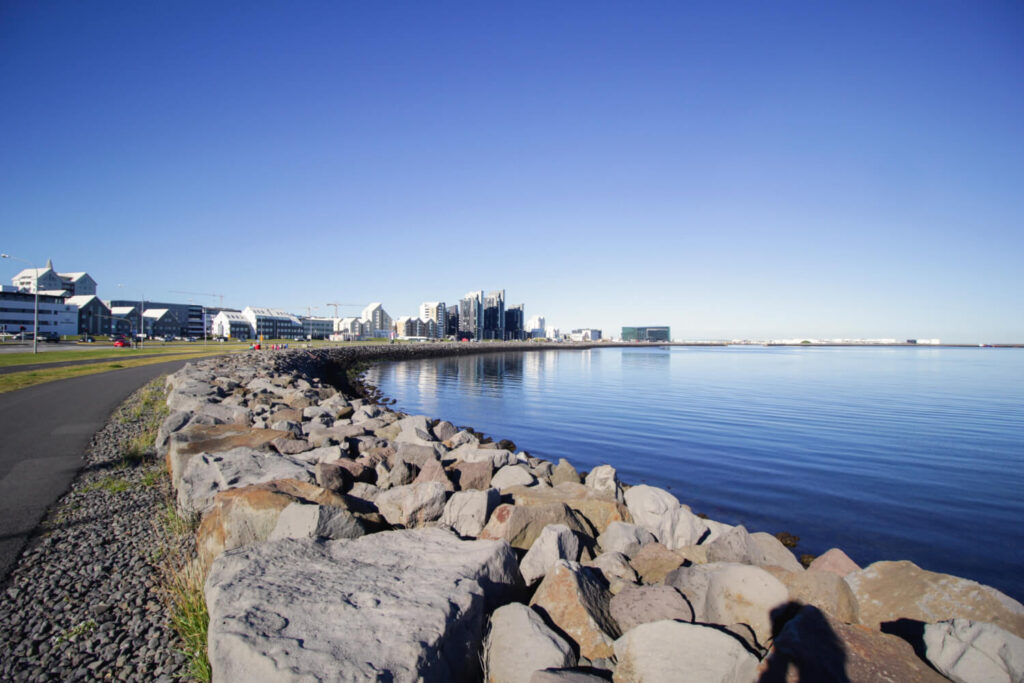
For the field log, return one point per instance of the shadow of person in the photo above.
(805, 648)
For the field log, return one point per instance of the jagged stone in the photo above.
(624, 538)
(302, 520)
(472, 475)
(616, 570)
(520, 525)
(599, 508)
(467, 511)
(635, 605)
(604, 479)
(398, 605)
(512, 475)
(432, 470)
(654, 561)
(555, 542)
(835, 561)
(412, 504)
(966, 651)
(520, 643)
(192, 440)
(659, 512)
(207, 474)
(672, 651)
(564, 472)
(576, 602)
(888, 591)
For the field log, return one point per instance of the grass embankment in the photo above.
(181, 575)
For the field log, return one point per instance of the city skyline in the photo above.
(744, 172)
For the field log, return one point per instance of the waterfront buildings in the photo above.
(93, 315)
(646, 334)
(318, 328)
(189, 316)
(535, 326)
(349, 329)
(271, 323)
(514, 324)
(494, 316)
(232, 324)
(437, 312)
(380, 323)
(471, 313)
(160, 322)
(585, 335)
(17, 313)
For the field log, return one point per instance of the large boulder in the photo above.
(301, 520)
(654, 561)
(888, 591)
(576, 601)
(624, 538)
(966, 651)
(471, 475)
(659, 512)
(466, 512)
(192, 440)
(813, 646)
(598, 507)
(825, 590)
(496, 457)
(616, 569)
(398, 605)
(555, 542)
(521, 525)
(413, 504)
(207, 474)
(759, 549)
(244, 517)
(512, 475)
(564, 472)
(635, 605)
(520, 643)
(673, 651)
(604, 480)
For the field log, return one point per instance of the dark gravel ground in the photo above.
(82, 602)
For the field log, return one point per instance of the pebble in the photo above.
(85, 585)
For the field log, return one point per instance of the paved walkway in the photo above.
(44, 430)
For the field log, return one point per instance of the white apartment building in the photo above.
(47, 280)
(380, 323)
(437, 312)
(17, 313)
(272, 323)
(348, 329)
(232, 324)
(535, 326)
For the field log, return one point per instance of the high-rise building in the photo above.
(535, 326)
(451, 326)
(646, 334)
(380, 322)
(471, 313)
(437, 312)
(514, 323)
(494, 315)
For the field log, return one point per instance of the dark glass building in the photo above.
(646, 334)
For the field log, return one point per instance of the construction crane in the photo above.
(220, 296)
(336, 305)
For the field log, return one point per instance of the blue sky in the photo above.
(730, 169)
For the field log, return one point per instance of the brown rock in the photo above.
(816, 647)
(245, 516)
(834, 561)
(286, 446)
(654, 561)
(888, 591)
(335, 434)
(195, 439)
(599, 508)
(286, 414)
(521, 525)
(432, 470)
(824, 590)
(577, 603)
(564, 472)
(333, 477)
(472, 475)
(359, 470)
(375, 456)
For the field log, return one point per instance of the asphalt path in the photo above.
(44, 431)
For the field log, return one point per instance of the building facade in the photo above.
(646, 334)
(93, 314)
(494, 315)
(160, 322)
(17, 314)
(437, 312)
(380, 323)
(272, 323)
(585, 334)
(515, 325)
(189, 316)
(471, 313)
(232, 324)
(318, 328)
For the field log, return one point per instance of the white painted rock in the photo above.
(625, 538)
(412, 504)
(603, 479)
(207, 474)
(512, 475)
(397, 605)
(467, 511)
(520, 643)
(555, 542)
(968, 651)
(673, 651)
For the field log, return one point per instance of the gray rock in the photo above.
(445, 430)
(604, 480)
(299, 520)
(520, 643)
(412, 504)
(624, 538)
(616, 570)
(512, 475)
(496, 457)
(405, 605)
(966, 651)
(768, 551)
(662, 651)
(660, 513)
(635, 605)
(467, 511)
(564, 472)
(555, 542)
(417, 454)
(209, 473)
(461, 439)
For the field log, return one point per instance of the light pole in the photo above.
(35, 315)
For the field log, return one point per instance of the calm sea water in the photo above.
(887, 453)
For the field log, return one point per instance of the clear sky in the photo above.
(762, 169)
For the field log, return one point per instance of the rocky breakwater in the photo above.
(346, 541)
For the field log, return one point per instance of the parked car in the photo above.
(51, 337)
(120, 343)
(88, 340)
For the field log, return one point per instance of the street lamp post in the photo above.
(35, 315)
